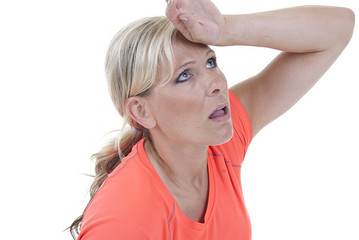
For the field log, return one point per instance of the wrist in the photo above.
(231, 31)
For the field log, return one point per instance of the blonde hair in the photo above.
(136, 57)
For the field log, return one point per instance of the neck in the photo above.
(180, 166)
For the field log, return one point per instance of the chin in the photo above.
(223, 136)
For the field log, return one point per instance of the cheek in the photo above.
(182, 112)
(184, 106)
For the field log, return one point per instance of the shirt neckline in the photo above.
(171, 200)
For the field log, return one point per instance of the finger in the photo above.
(184, 19)
(172, 14)
(179, 20)
(171, 10)
(182, 28)
(188, 27)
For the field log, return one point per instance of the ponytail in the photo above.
(106, 160)
(136, 56)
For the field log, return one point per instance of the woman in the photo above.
(176, 173)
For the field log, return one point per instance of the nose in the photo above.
(216, 84)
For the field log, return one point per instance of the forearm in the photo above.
(299, 29)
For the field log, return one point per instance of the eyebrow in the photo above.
(190, 62)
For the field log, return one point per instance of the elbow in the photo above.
(347, 23)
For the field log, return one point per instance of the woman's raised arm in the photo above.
(311, 38)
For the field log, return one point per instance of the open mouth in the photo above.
(220, 114)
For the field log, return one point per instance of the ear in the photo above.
(136, 109)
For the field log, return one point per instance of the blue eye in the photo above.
(211, 63)
(184, 76)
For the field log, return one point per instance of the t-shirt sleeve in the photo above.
(111, 228)
(237, 146)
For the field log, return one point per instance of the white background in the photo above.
(300, 176)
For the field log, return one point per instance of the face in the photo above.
(193, 108)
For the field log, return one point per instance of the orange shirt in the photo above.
(133, 203)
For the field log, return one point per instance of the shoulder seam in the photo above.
(124, 164)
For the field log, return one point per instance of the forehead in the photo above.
(183, 49)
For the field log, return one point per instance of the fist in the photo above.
(198, 20)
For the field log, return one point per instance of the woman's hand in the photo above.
(198, 20)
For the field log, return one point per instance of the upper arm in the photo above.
(112, 228)
(281, 84)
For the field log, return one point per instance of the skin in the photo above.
(177, 114)
(303, 34)
(182, 107)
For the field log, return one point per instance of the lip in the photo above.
(221, 117)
